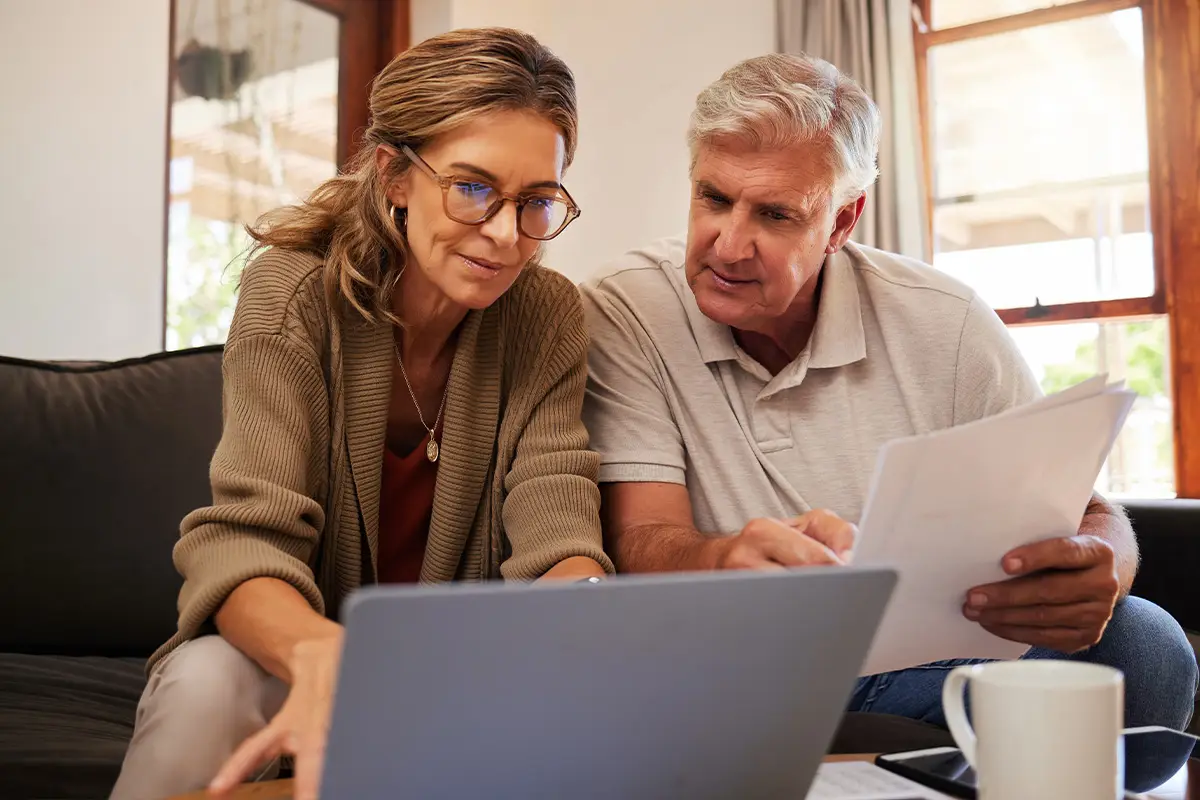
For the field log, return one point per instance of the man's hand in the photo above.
(816, 538)
(1061, 595)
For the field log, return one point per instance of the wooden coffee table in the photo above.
(266, 790)
(282, 790)
(1186, 787)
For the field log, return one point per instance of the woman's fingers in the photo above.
(307, 778)
(263, 746)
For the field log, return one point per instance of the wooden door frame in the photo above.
(371, 34)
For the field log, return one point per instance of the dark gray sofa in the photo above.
(98, 464)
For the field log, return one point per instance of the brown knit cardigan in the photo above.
(296, 476)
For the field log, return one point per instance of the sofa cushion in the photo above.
(1167, 532)
(65, 723)
(98, 465)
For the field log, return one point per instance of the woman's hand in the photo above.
(300, 728)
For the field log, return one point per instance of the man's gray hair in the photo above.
(777, 101)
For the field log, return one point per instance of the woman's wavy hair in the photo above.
(427, 90)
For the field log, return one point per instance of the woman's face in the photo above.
(514, 152)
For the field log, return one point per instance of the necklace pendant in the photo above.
(431, 450)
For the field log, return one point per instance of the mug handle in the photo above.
(956, 712)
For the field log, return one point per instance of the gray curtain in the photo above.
(871, 41)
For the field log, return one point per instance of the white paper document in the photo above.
(859, 780)
(944, 508)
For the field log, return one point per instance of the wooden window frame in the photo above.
(1172, 53)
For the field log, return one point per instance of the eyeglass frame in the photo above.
(518, 200)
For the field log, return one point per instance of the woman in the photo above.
(402, 402)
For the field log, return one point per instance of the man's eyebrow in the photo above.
(487, 176)
(781, 208)
(708, 187)
(775, 208)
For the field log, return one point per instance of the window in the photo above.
(253, 127)
(267, 99)
(1046, 195)
(1142, 462)
(953, 13)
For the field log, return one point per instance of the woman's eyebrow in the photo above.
(483, 173)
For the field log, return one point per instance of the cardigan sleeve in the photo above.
(266, 474)
(552, 503)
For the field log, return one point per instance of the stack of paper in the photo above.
(944, 509)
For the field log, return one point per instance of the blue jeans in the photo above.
(1141, 640)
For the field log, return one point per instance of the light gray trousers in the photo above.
(200, 703)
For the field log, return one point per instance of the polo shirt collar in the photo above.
(714, 340)
(837, 339)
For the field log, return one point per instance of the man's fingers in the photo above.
(1062, 640)
(779, 543)
(798, 549)
(1072, 552)
(750, 559)
(743, 552)
(791, 548)
(258, 749)
(1046, 589)
(307, 777)
(829, 529)
(1075, 615)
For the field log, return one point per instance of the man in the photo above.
(749, 375)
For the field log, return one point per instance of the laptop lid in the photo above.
(683, 685)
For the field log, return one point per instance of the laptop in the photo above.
(713, 685)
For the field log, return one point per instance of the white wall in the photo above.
(83, 104)
(639, 65)
(82, 146)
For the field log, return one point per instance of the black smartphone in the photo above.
(1153, 757)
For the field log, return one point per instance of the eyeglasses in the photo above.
(470, 201)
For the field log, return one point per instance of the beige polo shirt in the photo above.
(898, 348)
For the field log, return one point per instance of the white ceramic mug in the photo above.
(1043, 728)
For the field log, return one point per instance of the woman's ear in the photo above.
(397, 188)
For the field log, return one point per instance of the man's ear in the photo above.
(397, 188)
(843, 225)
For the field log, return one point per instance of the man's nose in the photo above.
(735, 242)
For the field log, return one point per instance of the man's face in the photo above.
(758, 229)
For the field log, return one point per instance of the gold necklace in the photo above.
(431, 450)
